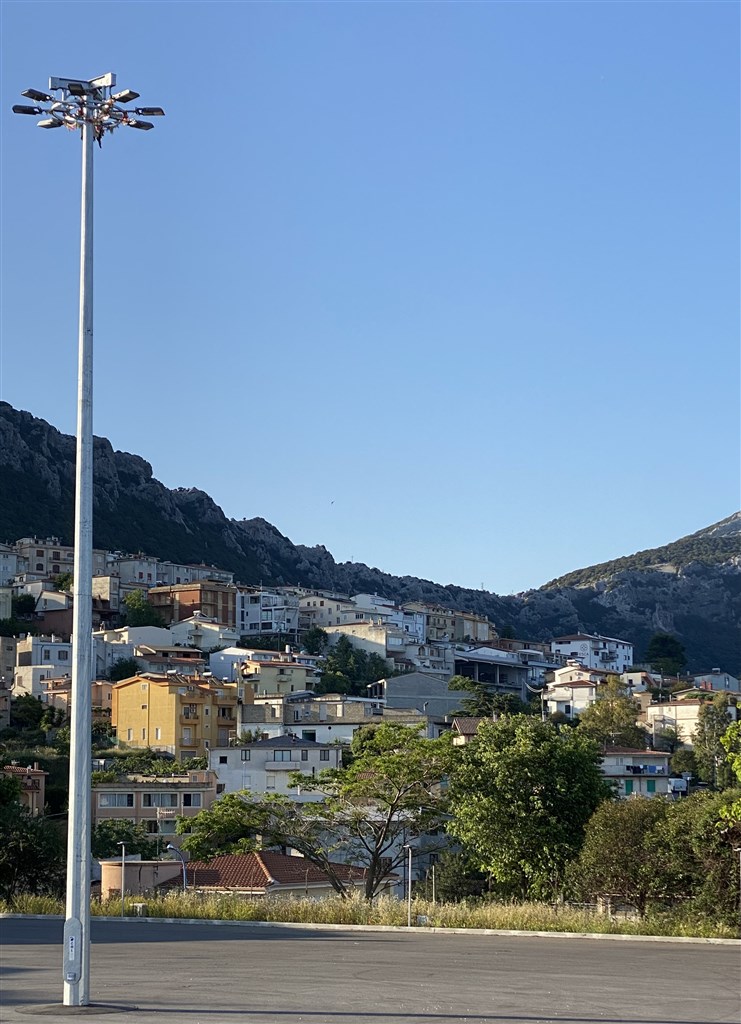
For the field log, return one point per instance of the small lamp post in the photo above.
(177, 852)
(408, 848)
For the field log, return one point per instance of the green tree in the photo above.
(483, 703)
(124, 668)
(139, 612)
(349, 669)
(23, 605)
(683, 761)
(521, 798)
(32, 849)
(107, 834)
(665, 654)
(391, 793)
(622, 856)
(314, 640)
(710, 754)
(457, 878)
(611, 720)
(63, 581)
(667, 738)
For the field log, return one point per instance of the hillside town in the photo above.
(229, 688)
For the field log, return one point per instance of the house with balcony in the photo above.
(499, 671)
(179, 714)
(638, 772)
(278, 674)
(32, 781)
(595, 651)
(39, 658)
(202, 633)
(154, 801)
(681, 715)
(178, 601)
(264, 766)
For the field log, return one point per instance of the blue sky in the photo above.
(452, 289)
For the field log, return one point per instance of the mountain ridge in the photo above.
(691, 587)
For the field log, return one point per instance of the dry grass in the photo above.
(389, 911)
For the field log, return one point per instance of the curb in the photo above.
(610, 936)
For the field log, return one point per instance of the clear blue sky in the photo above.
(452, 289)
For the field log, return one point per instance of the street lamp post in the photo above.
(177, 852)
(91, 107)
(408, 848)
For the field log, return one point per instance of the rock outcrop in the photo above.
(691, 588)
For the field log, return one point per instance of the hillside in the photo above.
(691, 587)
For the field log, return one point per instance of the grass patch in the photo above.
(389, 911)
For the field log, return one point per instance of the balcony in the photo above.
(192, 716)
(286, 766)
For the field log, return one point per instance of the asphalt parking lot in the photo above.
(206, 974)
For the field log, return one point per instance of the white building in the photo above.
(594, 651)
(39, 658)
(266, 611)
(203, 633)
(570, 698)
(680, 715)
(264, 766)
(11, 564)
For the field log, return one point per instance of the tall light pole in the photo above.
(123, 878)
(92, 108)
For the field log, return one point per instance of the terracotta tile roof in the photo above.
(17, 769)
(262, 870)
(467, 726)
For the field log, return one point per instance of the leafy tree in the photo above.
(32, 849)
(483, 703)
(457, 878)
(23, 605)
(612, 718)
(124, 668)
(507, 633)
(390, 794)
(667, 738)
(108, 834)
(711, 756)
(139, 612)
(682, 761)
(622, 855)
(63, 581)
(314, 640)
(349, 669)
(665, 654)
(521, 798)
(730, 815)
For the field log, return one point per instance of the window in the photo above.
(270, 781)
(304, 755)
(64, 655)
(158, 733)
(144, 734)
(324, 755)
(47, 654)
(245, 754)
(160, 800)
(115, 800)
(144, 686)
(144, 707)
(129, 734)
(223, 759)
(282, 755)
(297, 716)
(220, 787)
(191, 799)
(187, 734)
(39, 566)
(650, 785)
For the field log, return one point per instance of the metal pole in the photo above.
(409, 889)
(77, 922)
(434, 897)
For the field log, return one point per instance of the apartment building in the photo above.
(680, 715)
(324, 611)
(439, 622)
(214, 601)
(179, 714)
(279, 674)
(155, 802)
(594, 651)
(203, 633)
(265, 765)
(637, 772)
(260, 611)
(11, 564)
(500, 671)
(39, 658)
(50, 558)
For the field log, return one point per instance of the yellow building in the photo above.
(182, 715)
(283, 673)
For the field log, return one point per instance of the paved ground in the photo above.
(193, 974)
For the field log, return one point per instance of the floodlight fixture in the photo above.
(150, 111)
(34, 94)
(49, 122)
(144, 125)
(125, 96)
(20, 108)
(78, 88)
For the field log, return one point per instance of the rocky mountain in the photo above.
(691, 588)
